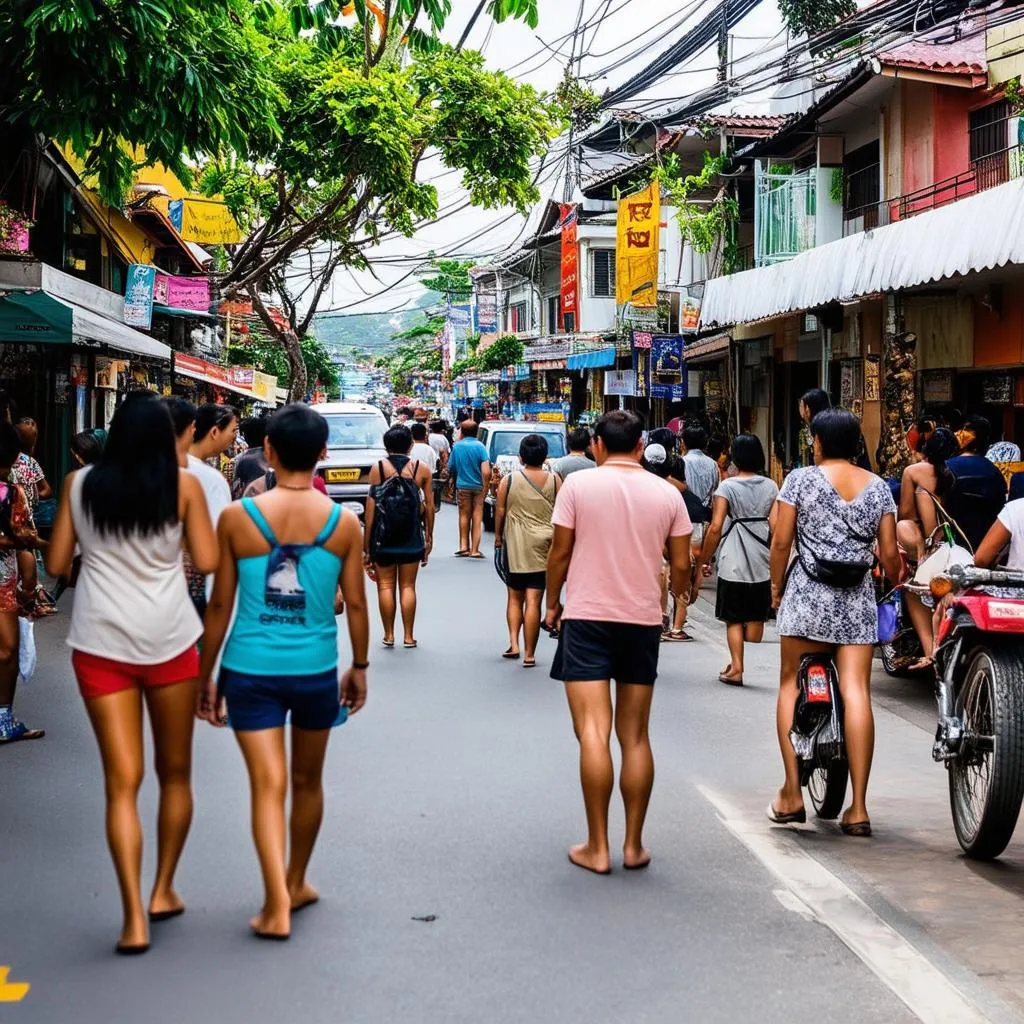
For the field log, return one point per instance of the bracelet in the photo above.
(360, 664)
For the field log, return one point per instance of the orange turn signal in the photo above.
(940, 586)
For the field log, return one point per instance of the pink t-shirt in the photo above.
(622, 516)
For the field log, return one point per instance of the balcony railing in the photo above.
(985, 173)
(784, 215)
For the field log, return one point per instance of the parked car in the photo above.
(354, 445)
(502, 438)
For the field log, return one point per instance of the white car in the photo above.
(354, 445)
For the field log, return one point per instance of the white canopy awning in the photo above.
(978, 233)
(89, 328)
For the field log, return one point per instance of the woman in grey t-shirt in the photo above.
(741, 519)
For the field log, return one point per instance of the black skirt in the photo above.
(528, 580)
(743, 602)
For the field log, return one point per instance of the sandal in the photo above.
(20, 731)
(790, 818)
(730, 680)
(857, 829)
(463, 553)
(529, 663)
(479, 556)
(921, 665)
(677, 636)
(511, 655)
(387, 643)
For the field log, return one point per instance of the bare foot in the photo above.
(303, 895)
(583, 857)
(272, 924)
(635, 860)
(163, 905)
(134, 935)
(784, 806)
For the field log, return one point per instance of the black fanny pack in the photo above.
(833, 572)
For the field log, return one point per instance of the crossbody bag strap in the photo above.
(539, 490)
(945, 519)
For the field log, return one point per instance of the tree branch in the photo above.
(382, 45)
(469, 28)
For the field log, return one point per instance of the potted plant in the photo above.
(14, 229)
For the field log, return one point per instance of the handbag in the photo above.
(501, 562)
(833, 572)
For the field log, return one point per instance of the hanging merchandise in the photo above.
(636, 248)
(642, 369)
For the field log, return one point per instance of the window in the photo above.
(554, 302)
(989, 134)
(602, 272)
(863, 178)
(519, 317)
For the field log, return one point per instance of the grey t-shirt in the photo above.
(742, 557)
(570, 463)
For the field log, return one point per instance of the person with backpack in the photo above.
(399, 532)
(741, 526)
(282, 555)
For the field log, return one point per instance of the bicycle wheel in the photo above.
(826, 787)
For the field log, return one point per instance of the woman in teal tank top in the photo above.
(282, 556)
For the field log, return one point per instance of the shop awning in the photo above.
(208, 373)
(707, 350)
(593, 360)
(978, 233)
(195, 314)
(36, 317)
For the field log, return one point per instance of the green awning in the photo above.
(29, 317)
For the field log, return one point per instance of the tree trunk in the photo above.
(899, 369)
(300, 379)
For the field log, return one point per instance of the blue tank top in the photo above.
(284, 620)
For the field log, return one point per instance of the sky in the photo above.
(620, 38)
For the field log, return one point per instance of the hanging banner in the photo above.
(636, 248)
(667, 354)
(619, 382)
(138, 295)
(192, 293)
(206, 221)
(487, 313)
(642, 339)
(669, 392)
(569, 306)
(690, 315)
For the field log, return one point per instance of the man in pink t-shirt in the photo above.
(612, 527)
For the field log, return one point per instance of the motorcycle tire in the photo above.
(986, 787)
(904, 650)
(826, 786)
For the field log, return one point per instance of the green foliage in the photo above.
(419, 355)
(265, 354)
(1014, 95)
(449, 278)
(463, 366)
(837, 186)
(813, 16)
(506, 351)
(580, 106)
(177, 77)
(701, 224)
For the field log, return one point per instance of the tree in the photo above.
(361, 105)
(506, 351)
(180, 78)
(266, 355)
(810, 17)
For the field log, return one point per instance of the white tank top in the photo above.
(131, 601)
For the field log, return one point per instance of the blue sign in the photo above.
(669, 392)
(667, 353)
(175, 213)
(138, 295)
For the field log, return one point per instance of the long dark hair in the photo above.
(133, 488)
(941, 445)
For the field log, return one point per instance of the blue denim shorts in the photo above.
(264, 702)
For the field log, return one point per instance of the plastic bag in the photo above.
(890, 616)
(26, 649)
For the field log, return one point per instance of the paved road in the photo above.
(454, 797)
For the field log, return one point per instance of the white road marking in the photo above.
(927, 992)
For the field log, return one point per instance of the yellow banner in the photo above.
(636, 248)
(264, 386)
(208, 222)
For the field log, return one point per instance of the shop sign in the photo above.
(619, 382)
(192, 293)
(569, 303)
(138, 295)
(61, 388)
(487, 313)
(190, 366)
(236, 307)
(551, 417)
(642, 339)
(206, 221)
(667, 353)
(637, 247)
(689, 315)
(997, 390)
(242, 376)
(937, 387)
(669, 392)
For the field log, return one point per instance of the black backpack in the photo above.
(397, 519)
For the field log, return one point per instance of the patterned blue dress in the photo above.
(834, 529)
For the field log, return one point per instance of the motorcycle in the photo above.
(979, 662)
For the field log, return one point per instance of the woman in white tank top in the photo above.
(133, 634)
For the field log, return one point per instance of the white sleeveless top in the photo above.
(131, 601)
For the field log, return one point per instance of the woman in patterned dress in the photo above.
(834, 511)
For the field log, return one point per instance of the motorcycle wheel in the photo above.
(904, 650)
(986, 780)
(826, 787)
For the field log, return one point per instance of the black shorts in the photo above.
(527, 580)
(623, 651)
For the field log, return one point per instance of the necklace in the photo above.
(296, 487)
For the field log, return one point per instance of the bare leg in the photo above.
(636, 779)
(478, 521)
(789, 799)
(264, 755)
(853, 663)
(734, 638)
(9, 643)
(514, 617)
(387, 581)
(531, 624)
(910, 538)
(117, 722)
(407, 588)
(921, 617)
(753, 632)
(172, 713)
(591, 706)
(308, 749)
(465, 500)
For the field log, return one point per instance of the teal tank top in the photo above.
(284, 617)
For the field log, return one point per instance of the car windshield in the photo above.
(507, 442)
(355, 430)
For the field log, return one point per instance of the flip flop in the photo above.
(270, 936)
(857, 829)
(462, 554)
(792, 818)
(137, 950)
(677, 636)
(511, 655)
(529, 663)
(478, 557)
(409, 646)
(22, 732)
(729, 680)
(387, 643)
(165, 915)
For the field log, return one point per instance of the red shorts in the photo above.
(98, 677)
